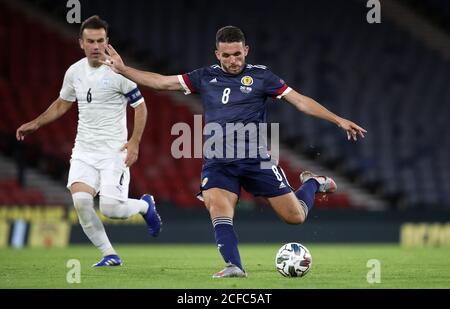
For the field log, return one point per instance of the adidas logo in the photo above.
(214, 80)
(282, 186)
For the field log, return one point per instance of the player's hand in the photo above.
(352, 129)
(113, 59)
(26, 129)
(132, 148)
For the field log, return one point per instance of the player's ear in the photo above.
(80, 41)
(217, 55)
(107, 40)
(246, 49)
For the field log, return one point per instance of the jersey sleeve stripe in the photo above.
(137, 103)
(283, 91)
(184, 81)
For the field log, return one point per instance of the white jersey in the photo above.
(102, 97)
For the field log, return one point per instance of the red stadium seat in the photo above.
(12, 194)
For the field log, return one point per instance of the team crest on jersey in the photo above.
(247, 80)
(105, 83)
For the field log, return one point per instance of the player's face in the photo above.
(94, 43)
(232, 56)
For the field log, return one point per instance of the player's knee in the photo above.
(299, 219)
(212, 203)
(84, 206)
(216, 207)
(82, 200)
(110, 207)
(295, 218)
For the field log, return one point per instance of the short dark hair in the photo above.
(94, 22)
(229, 34)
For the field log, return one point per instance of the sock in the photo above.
(109, 251)
(90, 222)
(306, 193)
(137, 206)
(226, 240)
(115, 209)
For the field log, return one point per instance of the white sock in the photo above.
(109, 251)
(90, 222)
(115, 209)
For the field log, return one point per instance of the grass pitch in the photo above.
(191, 266)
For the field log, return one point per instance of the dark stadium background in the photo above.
(392, 78)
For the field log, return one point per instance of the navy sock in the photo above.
(306, 193)
(226, 240)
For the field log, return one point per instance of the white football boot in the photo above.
(326, 184)
(231, 271)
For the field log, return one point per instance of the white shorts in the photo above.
(106, 173)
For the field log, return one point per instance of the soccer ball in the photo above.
(293, 260)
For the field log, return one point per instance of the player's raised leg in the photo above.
(313, 183)
(294, 207)
(151, 217)
(114, 201)
(114, 208)
(326, 184)
(220, 204)
(288, 208)
(83, 199)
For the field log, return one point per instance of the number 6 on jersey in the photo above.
(89, 96)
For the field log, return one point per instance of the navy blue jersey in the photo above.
(234, 99)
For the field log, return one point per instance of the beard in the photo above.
(235, 70)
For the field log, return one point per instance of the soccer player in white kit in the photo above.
(101, 156)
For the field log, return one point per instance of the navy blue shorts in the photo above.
(231, 176)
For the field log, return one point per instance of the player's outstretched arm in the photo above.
(58, 108)
(313, 108)
(149, 79)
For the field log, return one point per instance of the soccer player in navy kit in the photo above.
(236, 92)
